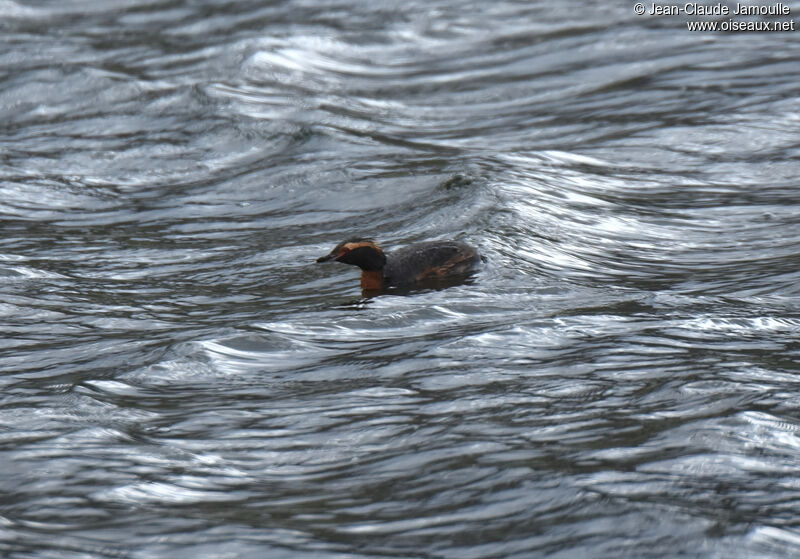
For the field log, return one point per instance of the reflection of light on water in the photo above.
(179, 378)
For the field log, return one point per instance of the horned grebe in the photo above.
(420, 262)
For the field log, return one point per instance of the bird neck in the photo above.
(371, 279)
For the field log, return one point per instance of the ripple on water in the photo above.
(179, 379)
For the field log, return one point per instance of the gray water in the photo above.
(621, 378)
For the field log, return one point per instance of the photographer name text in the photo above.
(719, 9)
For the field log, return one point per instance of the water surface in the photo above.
(179, 379)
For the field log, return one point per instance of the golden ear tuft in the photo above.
(352, 245)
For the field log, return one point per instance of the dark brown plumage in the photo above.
(414, 264)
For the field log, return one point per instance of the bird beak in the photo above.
(327, 257)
